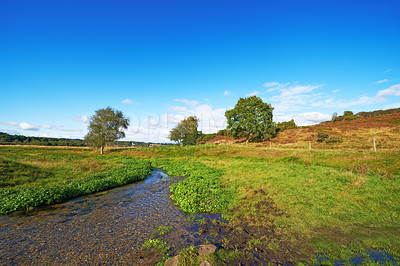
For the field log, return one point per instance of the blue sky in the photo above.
(160, 61)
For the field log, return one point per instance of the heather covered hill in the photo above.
(357, 133)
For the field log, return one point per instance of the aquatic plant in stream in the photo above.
(159, 245)
(27, 197)
(188, 256)
(201, 190)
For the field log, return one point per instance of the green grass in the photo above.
(24, 198)
(200, 191)
(189, 256)
(44, 166)
(159, 246)
(337, 203)
(18, 174)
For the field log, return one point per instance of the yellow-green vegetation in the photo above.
(188, 256)
(326, 202)
(25, 197)
(294, 203)
(156, 245)
(200, 191)
(40, 166)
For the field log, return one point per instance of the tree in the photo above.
(334, 117)
(185, 132)
(177, 134)
(347, 116)
(286, 125)
(105, 127)
(251, 116)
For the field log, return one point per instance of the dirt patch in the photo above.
(260, 244)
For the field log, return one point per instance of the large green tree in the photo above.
(106, 126)
(185, 132)
(251, 117)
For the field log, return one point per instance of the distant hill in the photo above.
(383, 125)
(7, 139)
(379, 112)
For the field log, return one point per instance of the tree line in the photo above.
(251, 118)
(7, 139)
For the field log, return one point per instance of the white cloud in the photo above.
(324, 103)
(129, 101)
(304, 119)
(211, 120)
(365, 100)
(227, 93)
(296, 90)
(276, 86)
(187, 102)
(293, 97)
(270, 84)
(47, 126)
(381, 81)
(83, 118)
(26, 126)
(156, 128)
(9, 123)
(23, 125)
(9, 131)
(254, 93)
(69, 129)
(153, 128)
(181, 109)
(392, 106)
(315, 116)
(289, 98)
(380, 97)
(383, 94)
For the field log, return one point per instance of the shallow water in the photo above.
(104, 228)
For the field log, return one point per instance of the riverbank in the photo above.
(342, 204)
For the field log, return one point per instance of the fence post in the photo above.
(374, 145)
(309, 147)
(270, 145)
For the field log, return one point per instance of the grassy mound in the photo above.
(200, 191)
(14, 173)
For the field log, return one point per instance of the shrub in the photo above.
(188, 256)
(323, 137)
(347, 116)
(224, 132)
(159, 245)
(334, 140)
(208, 137)
(286, 125)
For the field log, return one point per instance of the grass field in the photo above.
(333, 202)
(338, 203)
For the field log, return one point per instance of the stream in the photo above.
(104, 228)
